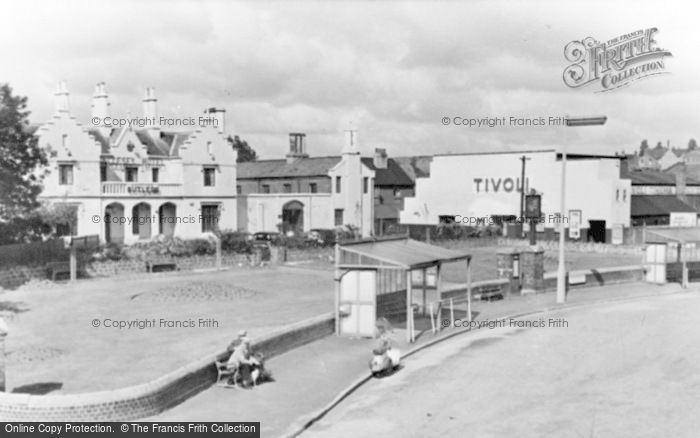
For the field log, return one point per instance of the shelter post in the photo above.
(438, 291)
(469, 289)
(336, 278)
(425, 290)
(409, 307)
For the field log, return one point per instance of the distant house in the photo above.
(300, 193)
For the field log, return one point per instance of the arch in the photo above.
(114, 223)
(293, 218)
(141, 220)
(167, 218)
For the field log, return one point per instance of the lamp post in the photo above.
(561, 271)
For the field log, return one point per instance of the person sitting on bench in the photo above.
(236, 342)
(242, 362)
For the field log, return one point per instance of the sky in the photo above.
(390, 70)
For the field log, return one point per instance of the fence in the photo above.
(33, 253)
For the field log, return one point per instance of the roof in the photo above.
(104, 142)
(403, 252)
(681, 235)
(655, 205)
(416, 166)
(154, 146)
(393, 175)
(656, 178)
(314, 166)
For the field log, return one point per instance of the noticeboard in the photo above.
(85, 242)
(533, 206)
(575, 224)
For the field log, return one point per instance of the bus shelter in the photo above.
(391, 278)
(672, 254)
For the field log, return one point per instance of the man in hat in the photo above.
(242, 362)
(242, 334)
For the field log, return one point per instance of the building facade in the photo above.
(301, 193)
(137, 180)
(465, 188)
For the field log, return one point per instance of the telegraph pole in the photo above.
(561, 271)
(522, 196)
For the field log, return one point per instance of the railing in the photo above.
(118, 188)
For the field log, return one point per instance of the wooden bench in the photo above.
(160, 266)
(55, 269)
(493, 293)
(224, 372)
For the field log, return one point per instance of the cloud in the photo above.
(393, 68)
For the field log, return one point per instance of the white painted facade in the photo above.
(170, 200)
(488, 184)
(263, 211)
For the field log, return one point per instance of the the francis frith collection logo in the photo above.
(615, 63)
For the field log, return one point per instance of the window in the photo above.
(132, 174)
(209, 147)
(287, 188)
(239, 190)
(155, 173)
(103, 172)
(624, 196)
(365, 185)
(266, 188)
(209, 218)
(65, 174)
(337, 184)
(209, 180)
(617, 194)
(313, 187)
(338, 217)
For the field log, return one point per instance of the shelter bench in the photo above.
(491, 293)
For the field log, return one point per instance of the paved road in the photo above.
(617, 370)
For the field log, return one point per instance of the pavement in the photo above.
(308, 378)
(622, 369)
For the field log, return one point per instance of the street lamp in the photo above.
(561, 272)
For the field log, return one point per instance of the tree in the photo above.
(245, 152)
(692, 144)
(21, 159)
(643, 147)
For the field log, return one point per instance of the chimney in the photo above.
(150, 108)
(61, 96)
(219, 115)
(297, 147)
(380, 158)
(680, 182)
(350, 144)
(100, 106)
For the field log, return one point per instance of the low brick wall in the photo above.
(553, 245)
(15, 276)
(597, 277)
(151, 398)
(478, 287)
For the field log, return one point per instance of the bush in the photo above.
(236, 241)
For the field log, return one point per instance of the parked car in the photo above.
(321, 236)
(266, 236)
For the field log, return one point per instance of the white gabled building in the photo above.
(129, 183)
(466, 187)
